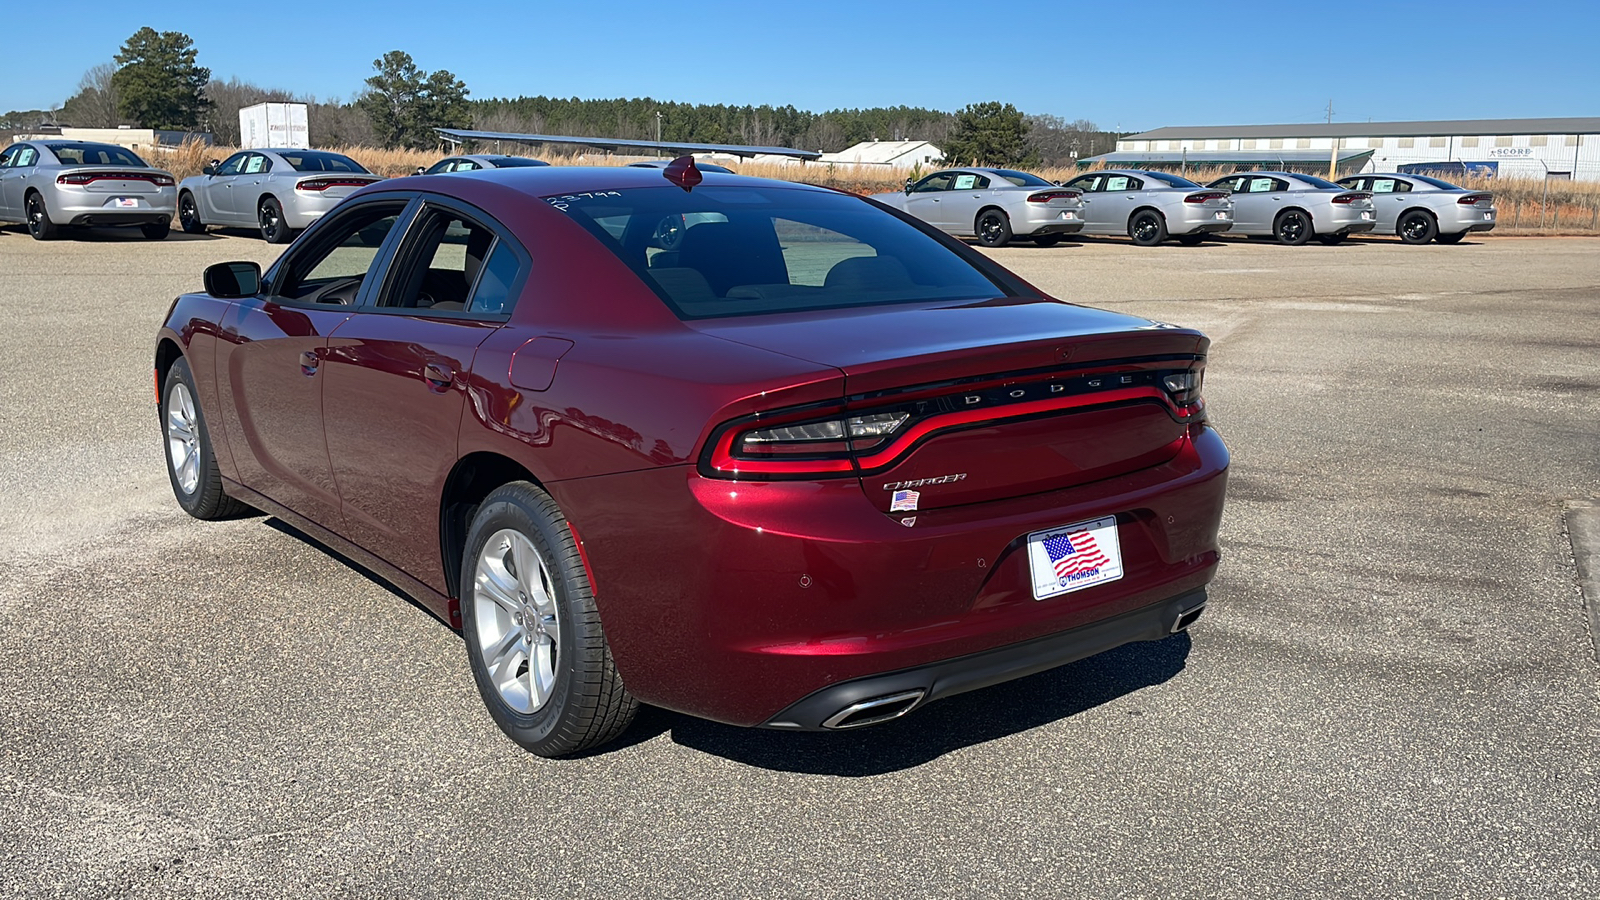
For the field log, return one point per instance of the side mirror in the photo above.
(421, 170)
(908, 185)
(210, 168)
(231, 280)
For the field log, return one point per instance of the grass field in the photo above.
(1527, 206)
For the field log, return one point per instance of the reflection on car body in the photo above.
(804, 464)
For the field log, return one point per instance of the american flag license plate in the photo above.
(1074, 557)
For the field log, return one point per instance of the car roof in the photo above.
(545, 181)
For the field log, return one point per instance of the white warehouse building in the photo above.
(1564, 148)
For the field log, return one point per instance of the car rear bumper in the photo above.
(1041, 219)
(1341, 218)
(1199, 218)
(76, 206)
(303, 208)
(734, 601)
(1468, 218)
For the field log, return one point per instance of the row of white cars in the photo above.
(998, 205)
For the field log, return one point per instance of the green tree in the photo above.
(991, 133)
(405, 103)
(157, 83)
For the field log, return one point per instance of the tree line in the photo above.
(155, 81)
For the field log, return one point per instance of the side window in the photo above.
(1135, 184)
(6, 157)
(1262, 185)
(333, 268)
(938, 182)
(1383, 185)
(1400, 187)
(1086, 183)
(440, 263)
(1354, 184)
(966, 181)
(492, 294)
(25, 157)
(256, 164)
(467, 165)
(1229, 184)
(233, 165)
(440, 166)
(1116, 183)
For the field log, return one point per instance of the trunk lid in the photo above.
(116, 179)
(1004, 397)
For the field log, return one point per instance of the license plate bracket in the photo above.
(1074, 557)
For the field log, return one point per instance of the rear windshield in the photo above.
(743, 251)
(1172, 180)
(515, 162)
(320, 161)
(1435, 182)
(96, 155)
(1022, 179)
(1323, 183)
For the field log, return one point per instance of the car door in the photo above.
(1090, 185)
(398, 375)
(1118, 197)
(1390, 197)
(10, 184)
(271, 358)
(214, 198)
(1257, 204)
(249, 185)
(968, 193)
(926, 199)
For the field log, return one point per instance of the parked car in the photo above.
(476, 161)
(812, 468)
(279, 191)
(663, 163)
(1296, 208)
(1151, 206)
(993, 205)
(1420, 208)
(50, 185)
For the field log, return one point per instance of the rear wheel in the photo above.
(1147, 228)
(994, 229)
(39, 224)
(1292, 227)
(189, 215)
(273, 229)
(1451, 238)
(1332, 239)
(532, 630)
(191, 466)
(1047, 240)
(155, 231)
(1417, 227)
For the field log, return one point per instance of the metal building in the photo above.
(1564, 148)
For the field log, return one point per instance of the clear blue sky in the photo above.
(1128, 66)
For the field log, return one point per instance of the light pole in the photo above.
(658, 126)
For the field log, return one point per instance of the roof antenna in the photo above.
(683, 173)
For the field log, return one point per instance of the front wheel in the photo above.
(191, 466)
(189, 215)
(39, 224)
(1451, 238)
(1147, 228)
(1292, 227)
(273, 229)
(1417, 227)
(994, 229)
(534, 641)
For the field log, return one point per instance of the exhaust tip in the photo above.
(1187, 618)
(871, 712)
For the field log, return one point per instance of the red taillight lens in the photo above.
(1352, 197)
(155, 178)
(322, 184)
(1047, 196)
(1473, 199)
(1207, 195)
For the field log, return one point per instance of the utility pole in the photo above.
(658, 126)
(1333, 155)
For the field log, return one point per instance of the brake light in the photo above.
(1352, 197)
(1047, 196)
(322, 184)
(1472, 199)
(1204, 196)
(156, 178)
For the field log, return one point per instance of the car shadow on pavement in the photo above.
(279, 525)
(927, 734)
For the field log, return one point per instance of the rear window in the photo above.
(1323, 183)
(515, 162)
(1445, 185)
(1172, 180)
(320, 161)
(1022, 179)
(96, 155)
(742, 251)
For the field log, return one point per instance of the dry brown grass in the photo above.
(1527, 206)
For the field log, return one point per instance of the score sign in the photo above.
(1510, 152)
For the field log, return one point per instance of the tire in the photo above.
(1450, 238)
(993, 228)
(189, 215)
(273, 229)
(1332, 239)
(1047, 240)
(1147, 228)
(191, 466)
(1292, 228)
(554, 689)
(1191, 240)
(39, 224)
(1417, 227)
(156, 231)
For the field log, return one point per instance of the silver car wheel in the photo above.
(183, 439)
(270, 223)
(518, 623)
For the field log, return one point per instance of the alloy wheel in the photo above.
(183, 439)
(518, 623)
(186, 212)
(36, 214)
(270, 222)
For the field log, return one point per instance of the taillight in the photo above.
(322, 184)
(1352, 197)
(1184, 387)
(1204, 196)
(80, 178)
(1047, 196)
(1472, 199)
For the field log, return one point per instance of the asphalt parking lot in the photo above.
(1393, 693)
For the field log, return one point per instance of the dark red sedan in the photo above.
(760, 452)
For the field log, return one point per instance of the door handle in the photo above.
(439, 374)
(309, 362)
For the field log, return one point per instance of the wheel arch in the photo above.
(1421, 209)
(472, 478)
(986, 208)
(1147, 208)
(265, 196)
(167, 353)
